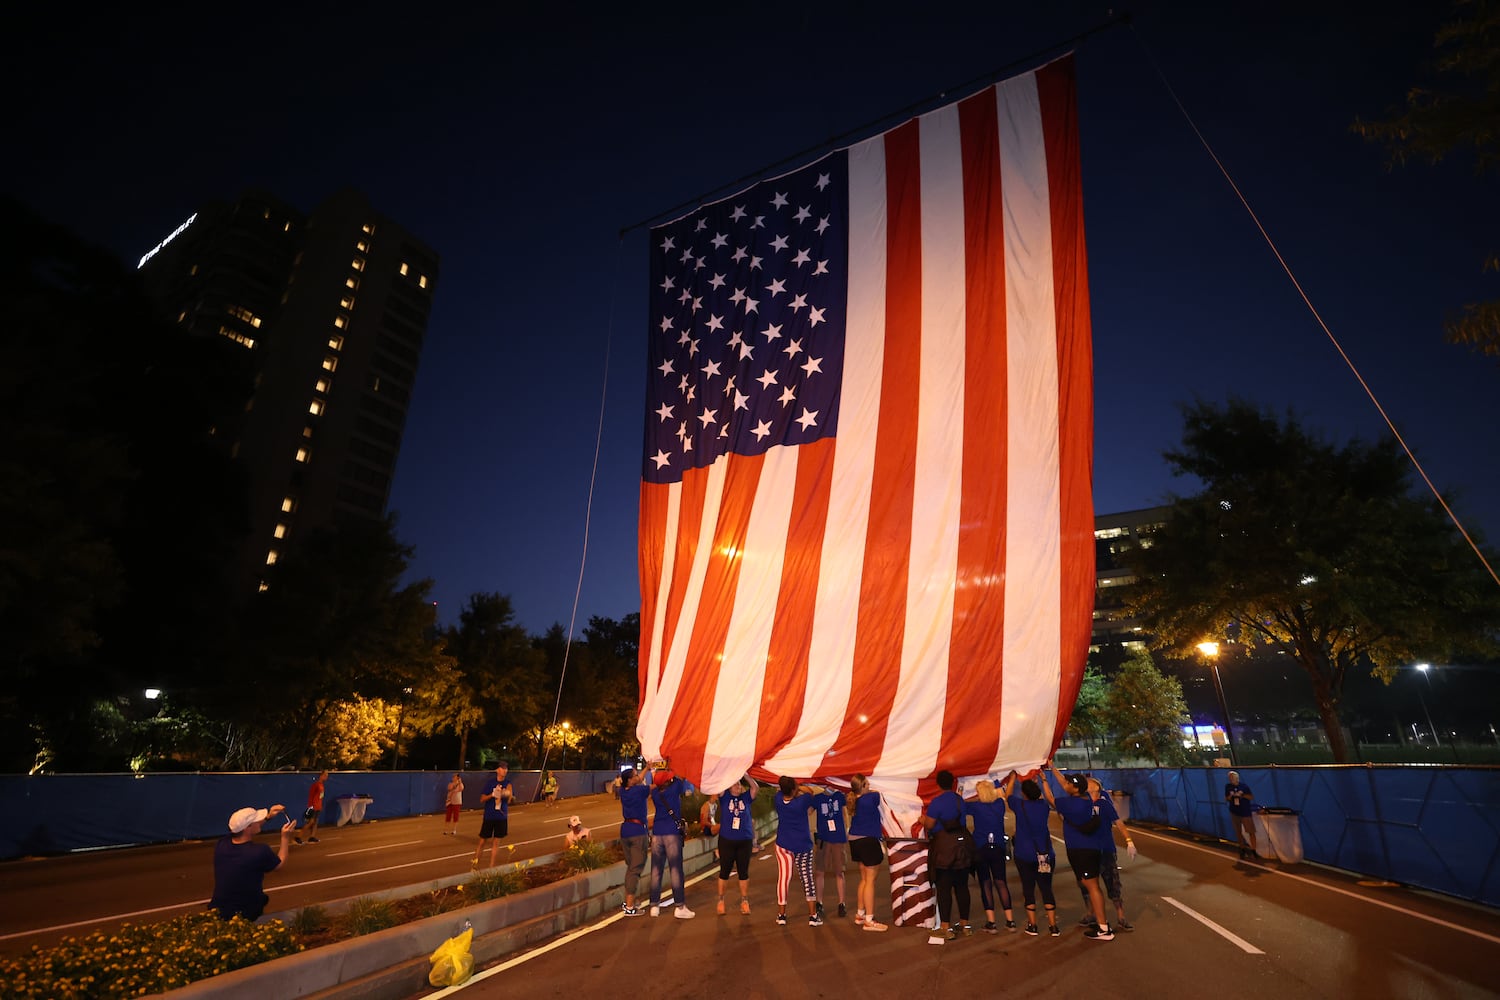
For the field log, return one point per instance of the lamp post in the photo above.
(1210, 650)
(1423, 668)
(566, 727)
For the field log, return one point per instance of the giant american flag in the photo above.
(866, 527)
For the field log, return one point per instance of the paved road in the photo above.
(1206, 926)
(47, 898)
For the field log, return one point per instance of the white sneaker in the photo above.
(656, 911)
(683, 913)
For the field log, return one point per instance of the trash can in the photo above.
(1278, 834)
(1121, 802)
(352, 808)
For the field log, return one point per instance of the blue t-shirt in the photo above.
(866, 819)
(830, 806)
(945, 809)
(989, 821)
(1239, 799)
(1075, 811)
(734, 816)
(668, 802)
(791, 823)
(498, 807)
(1032, 836)
(633, 810)
(239, 873)
(1107, 816)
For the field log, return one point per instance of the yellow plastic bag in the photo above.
(451, 962)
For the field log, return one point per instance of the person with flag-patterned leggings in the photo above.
(794, 847)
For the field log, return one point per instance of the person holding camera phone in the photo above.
(240, 864)
(1082, 824)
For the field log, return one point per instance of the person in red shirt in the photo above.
(314, 808)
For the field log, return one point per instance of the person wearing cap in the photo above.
(1109, 864)
(496, 823)
(1242, 813)
(240, 864)
(1082, 826)
(635, 841)
(577, 832)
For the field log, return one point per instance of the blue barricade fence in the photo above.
(1428, 826)
(56, 814)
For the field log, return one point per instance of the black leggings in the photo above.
(952, 882)
(989, 869)
(734, 855)
(1031, 880)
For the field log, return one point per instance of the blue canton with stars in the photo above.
(747, 313)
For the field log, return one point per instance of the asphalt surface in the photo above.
(1205, 924)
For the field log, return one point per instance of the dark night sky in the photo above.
(519, 145)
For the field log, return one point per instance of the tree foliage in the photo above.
(502, 670)
(1458, 115)
(1320, 549)
(1146, 711)
(1087, 720)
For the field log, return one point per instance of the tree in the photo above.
(500, 665)
(1459, 115)
(1086, 722)
(335, 623)
(1318, 549)
(1146, 711)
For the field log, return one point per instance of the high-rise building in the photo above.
(324, 314)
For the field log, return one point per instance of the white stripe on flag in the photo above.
(653, 717)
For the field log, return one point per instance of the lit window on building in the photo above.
(271, 558)
(315, 407)
(280, 531)
(264, 586)
(302, 454)
(358, 263)
(336, 343)
(368, 229)
(347, 302)
(307, 431)
(351, 282)
(237, 337)
(288, 504)
(339, 322)
(422, 281)
(330, 363)
(362, 246)
(241, 313)
(1111, 532)
(322, 385)
(403, 269)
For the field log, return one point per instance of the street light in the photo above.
(566, 726)
(1211, 651)
(1423, 668)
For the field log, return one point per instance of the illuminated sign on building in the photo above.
(170, 237)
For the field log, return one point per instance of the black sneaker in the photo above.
(843, 910)
(781, 919)
(989, 927)
(820, 909)
(1099, 934)
(1031, 930)
(630, 911)
(312, 840)
(1055, 931)
(1010, 925)
(1122, 925)
(953, 933)
(1087, 921)
(816, 920)
(298, 840)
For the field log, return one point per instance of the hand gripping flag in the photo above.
(866, 526)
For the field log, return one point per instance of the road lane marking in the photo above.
(1404, 911)
(367, 850)
(1223, 932)
(555, 943)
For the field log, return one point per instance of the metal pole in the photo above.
(1223, 710)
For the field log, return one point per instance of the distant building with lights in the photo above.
(323, 314)
(1114, 536)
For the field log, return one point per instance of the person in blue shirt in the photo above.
(667, 834)
(988, 812)
(832, 843)
(1032, 850)
(496, 823)
(736, 833)
(1109, 866)
(865, 847)
(794, 847)
(1081, 838)
(635, 841)
(946, 812)
(1242, 811)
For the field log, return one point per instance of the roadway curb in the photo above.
(393, 963)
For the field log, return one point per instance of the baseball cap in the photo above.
(1079, 782)
(574, 821)
(662, 777)
(242, 818)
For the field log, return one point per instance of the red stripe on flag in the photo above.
(686, 733)
(971, 717)
(881, 619)
(785, 684)
(653, 541)
(689, 520)
(1057, 90)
